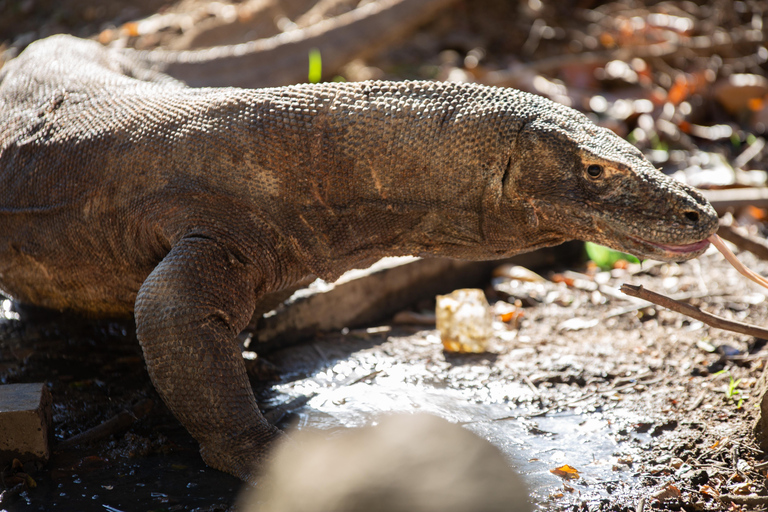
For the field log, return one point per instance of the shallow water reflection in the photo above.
(598, 444)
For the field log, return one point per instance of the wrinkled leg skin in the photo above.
(189, 312)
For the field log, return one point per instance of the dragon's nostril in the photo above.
(692, 216)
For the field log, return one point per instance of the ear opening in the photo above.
(507, 172)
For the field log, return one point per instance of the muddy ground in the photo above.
(653, 409)
(635, 398)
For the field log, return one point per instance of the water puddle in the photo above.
(600, 445)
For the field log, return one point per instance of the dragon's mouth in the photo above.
(671, 251)
(680, 249)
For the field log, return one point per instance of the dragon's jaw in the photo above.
(670, 252)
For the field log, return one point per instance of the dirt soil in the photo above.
(643, 402)
(652, 409)
(639, 400)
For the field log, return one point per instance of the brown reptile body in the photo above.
(122, 190)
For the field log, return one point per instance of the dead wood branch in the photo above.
(752, 151)
(283, 59)
(323, 9)
(734, 198)
(696, 403)
(694, 312)
(116, 424)
(750, 501)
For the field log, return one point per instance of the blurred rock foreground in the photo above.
(404, 463)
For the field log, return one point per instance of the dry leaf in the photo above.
(560, 278)
(668, 492)
(717, 443)
(566, 471)
(511, 316)
(757, 213)
(131, 28)
(742, 489)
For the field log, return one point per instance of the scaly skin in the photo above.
(185, 206)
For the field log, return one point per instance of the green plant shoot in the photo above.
(315, 66)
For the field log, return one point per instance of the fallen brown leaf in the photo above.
(566, 471)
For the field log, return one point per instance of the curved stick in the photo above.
(283, 59)
(694, 312)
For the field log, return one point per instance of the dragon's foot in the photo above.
(242, 454)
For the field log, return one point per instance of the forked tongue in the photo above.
(718, 242)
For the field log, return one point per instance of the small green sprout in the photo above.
(733, 388)
(732, 391)
(315, 66)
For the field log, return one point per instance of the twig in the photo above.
(364, 377)
(751, 501)
(282, 59)
(279, 412)
(641, 505)
(748, 154)
(121, 421)
(694, 312)
(644, 304)
(723, 200)
(531, 385)
(699, 399)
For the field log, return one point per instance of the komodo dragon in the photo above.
(122, 190)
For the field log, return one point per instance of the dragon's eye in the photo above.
(595, 171)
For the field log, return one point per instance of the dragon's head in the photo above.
(590, 184)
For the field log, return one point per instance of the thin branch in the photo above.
(694, 312)
(283, 59)
(733, 198)
(699, 400)
(750, 501)
(116, 424)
